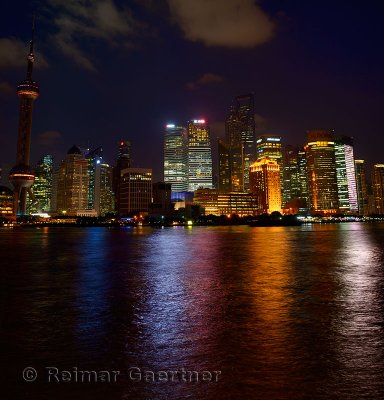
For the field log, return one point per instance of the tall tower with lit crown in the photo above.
(21, 176)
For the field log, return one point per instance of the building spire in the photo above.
(31, 55)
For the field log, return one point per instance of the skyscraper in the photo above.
(321, 172)
(22, 176)
(240, 138)
(378, 187)
(42, 187)
(135, 190)
(361, 186)
(123, 161)
(265, 184)
(72, 182)
(225, 177)
(95, 158)
(346, 177)
(270, 146)
(105, 199)
(199, 155)
(176, 157)
(295, 176)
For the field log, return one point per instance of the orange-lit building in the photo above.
(265, 184)
(321, 172)
(378, 187)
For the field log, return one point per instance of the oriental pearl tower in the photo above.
(21, 176)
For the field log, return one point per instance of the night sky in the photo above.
(112, 69)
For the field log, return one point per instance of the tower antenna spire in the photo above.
(31, 55)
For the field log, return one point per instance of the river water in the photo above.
(270, 313)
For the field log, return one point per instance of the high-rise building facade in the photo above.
(72, 183)
(42, 187)
(95, 158)
(123, 161)
(378, 187)
(225, 176)
(321, 172)
(21, 176)
(176, 157)
(104, 196)
(361, 187)
(295, 176)
(135, 191)
(346, 177)
(240, 140)
(199, 155)
(265, 184)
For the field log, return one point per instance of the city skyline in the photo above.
(335, 86)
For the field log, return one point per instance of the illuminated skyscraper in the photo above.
(105, 199)
(378, 187)
(95, 158)
(42, 187)
(240, 140)
(72, 183)
(176, 157)
(123, 162)
(346, 178)
(199, 155)
(135, 191)
(225, 177)
(295, 176)
(21, 176)
(265, 184)
(321, 172)
(361, 185)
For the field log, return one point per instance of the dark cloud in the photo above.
(49, 138)
(226, 23)
(13, 53)
(6, 88)
(205, 79)
(99, 19)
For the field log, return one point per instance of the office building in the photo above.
(123, 161)
(42, 188)
(199, 155)
(295, 185)
(6, 202)
(72, 183)
(176, 157)
(95, 159)
(346, 177)
(378, 188)
(321, 172)
(135, 191)
(240, 144)
(265, 184)
(361, 187)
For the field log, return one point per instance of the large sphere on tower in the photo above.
(21, 176)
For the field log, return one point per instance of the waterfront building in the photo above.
(21, 175)
(95, 158)
(42, 188)
(6, 202)
(162, 198)
(135, 191)
(72, 183)
(321, 172)
(176, 157)
(271, 146)
(378, 188)
(218, 203)
(295, 177)
(238, 151)
(361, 187)
(265, 184)
(123, 161)
(105, 199)
(199, 155)
(346, 176)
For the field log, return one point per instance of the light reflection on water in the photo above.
(284, 313)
